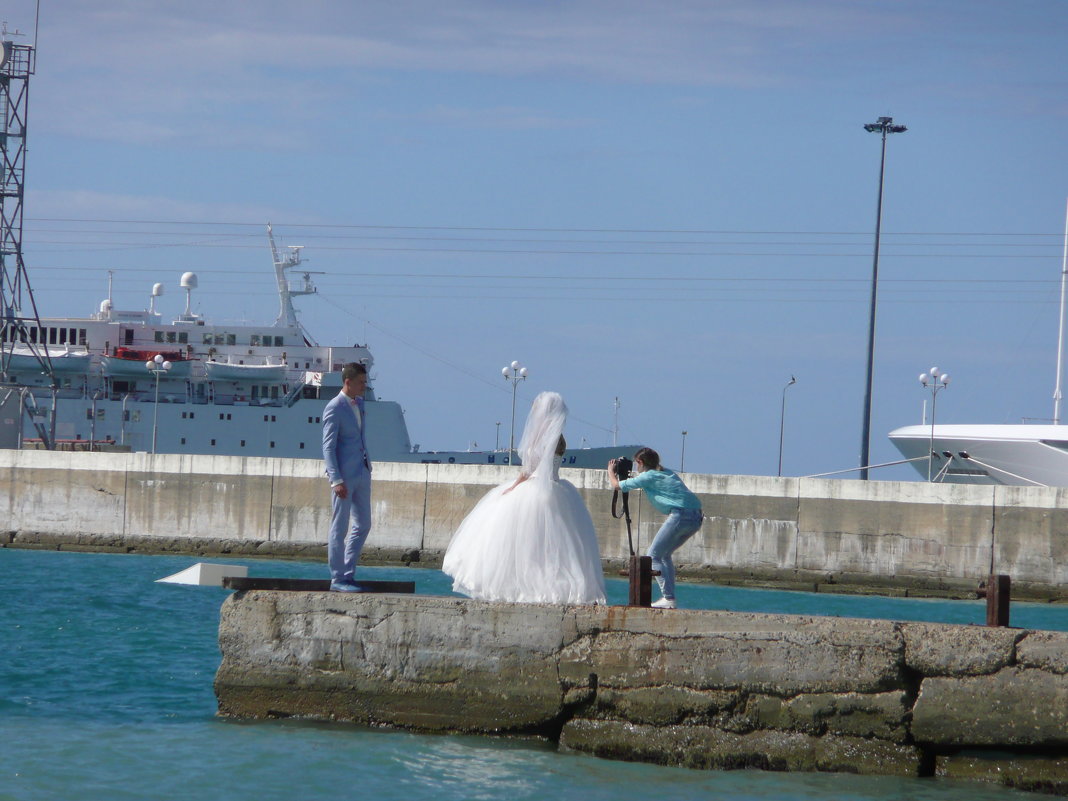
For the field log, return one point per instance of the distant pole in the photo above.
(782, 418)
(933, 381)
(515, 372)
(682, 458)
(497, 446)
(884, 126)
(157, 366)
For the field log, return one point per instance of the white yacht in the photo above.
(1025, 454)
(127, 380)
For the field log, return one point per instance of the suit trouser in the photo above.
(349, 526)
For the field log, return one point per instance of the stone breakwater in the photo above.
(700, 689)
(810, 534)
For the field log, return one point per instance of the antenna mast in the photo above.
(18, 310)
(287, 315)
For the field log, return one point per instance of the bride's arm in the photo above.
(519, 480)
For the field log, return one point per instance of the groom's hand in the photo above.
(340, 491)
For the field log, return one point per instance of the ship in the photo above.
(123, 380)
(1025, 454)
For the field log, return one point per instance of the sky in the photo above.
(664, 210)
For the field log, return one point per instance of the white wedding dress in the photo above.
(534, 544)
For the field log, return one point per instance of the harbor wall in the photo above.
(700, 689)
(908, 537)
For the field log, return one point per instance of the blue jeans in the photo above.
(680, 525)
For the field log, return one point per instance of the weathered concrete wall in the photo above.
(806, 533)
(695, 688)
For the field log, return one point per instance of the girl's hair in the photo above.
(561, 446)
(649, 458)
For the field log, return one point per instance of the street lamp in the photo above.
(933, 381)
(157, 366)
(514, 372)
(782, 418)
(884, 126)
(682, 458)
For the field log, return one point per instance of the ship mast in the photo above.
(287, 314)
(1060, 328)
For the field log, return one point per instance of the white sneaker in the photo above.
(664, 603)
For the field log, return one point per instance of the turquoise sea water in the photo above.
(106, 693)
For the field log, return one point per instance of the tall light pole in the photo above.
(682, 459)
(933, 381)
(515, 372)
(497, 444)
(884, 126)
(157, 366)
(782, 418)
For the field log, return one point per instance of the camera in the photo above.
(622, 467)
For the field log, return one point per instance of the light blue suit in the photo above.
(347, 462)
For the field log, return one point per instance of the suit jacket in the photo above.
(344, 450)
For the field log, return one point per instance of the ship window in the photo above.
(219, 339)
(221, 417)
(183, 440)
(192, 415)
(254, 339)
(183, 337)
(136, 416)
(231, 339)
(318, 420)
(159, 336)
(273, 418)
(213, 443)
(63, 336)
(302, 446)
(272, 443)
(278, 342)
(242, 443)
(209, 339)
(51, 336)
(309, 419)
(33, 335)
(88, 414)
(81, 336)
(228, 416)
(171, 337)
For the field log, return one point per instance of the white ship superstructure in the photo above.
(231, 389)
(1025, 454)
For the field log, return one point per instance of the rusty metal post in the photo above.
(998, 595)
(641, 581)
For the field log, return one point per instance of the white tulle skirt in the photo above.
(535, 544)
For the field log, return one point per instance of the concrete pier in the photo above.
(701, 689)
(814, 534)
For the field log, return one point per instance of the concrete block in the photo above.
(703, 747)
(1031, 534)
(935, 649)
(1015, 706)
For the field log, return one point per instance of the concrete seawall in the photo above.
(693, 688)
(920, 538)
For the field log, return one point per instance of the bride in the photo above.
(531, 540)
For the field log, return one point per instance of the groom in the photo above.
(349, 469)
